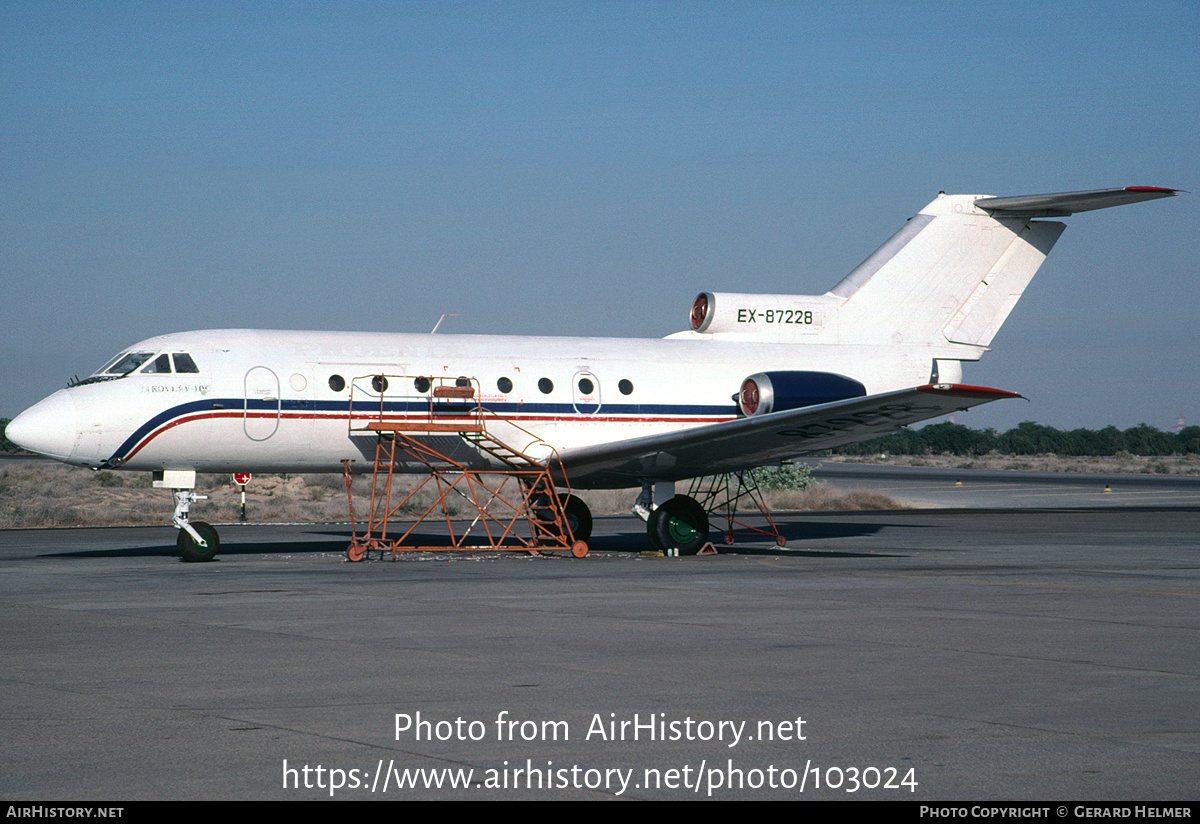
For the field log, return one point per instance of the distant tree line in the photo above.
(1029, 438)
(5, 444)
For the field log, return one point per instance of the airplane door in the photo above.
(585, 393)
(260, 412)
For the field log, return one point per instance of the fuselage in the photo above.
(931, 297)
(294, 401)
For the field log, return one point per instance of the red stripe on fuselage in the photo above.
(296, 416)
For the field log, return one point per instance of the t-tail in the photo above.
(949, 277)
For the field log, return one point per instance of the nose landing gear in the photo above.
(197, 541)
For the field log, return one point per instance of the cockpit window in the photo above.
(149, 364)
(160, 365)
(108, 364)
(127, 363)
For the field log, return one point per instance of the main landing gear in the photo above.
(579, 517)
(678, 525)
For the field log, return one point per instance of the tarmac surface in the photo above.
(1033, 653)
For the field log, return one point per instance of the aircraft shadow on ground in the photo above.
(799, 538)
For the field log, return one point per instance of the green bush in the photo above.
(5, 444)
(785, 476)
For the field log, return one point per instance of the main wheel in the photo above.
(579, 517)
(190, 551)
(656, 543)
(682, 526)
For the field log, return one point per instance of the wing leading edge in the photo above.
(749, 442)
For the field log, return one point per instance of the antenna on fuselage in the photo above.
(442, 318)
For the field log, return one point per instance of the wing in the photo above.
(750, 442)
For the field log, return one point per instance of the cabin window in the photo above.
(379, 384)
(586, 387)
(127, 363)
(626, 386)
(546, 385)
(184, 363)
(421, 385)
(337, 383)
(504, 385)
(462, 380)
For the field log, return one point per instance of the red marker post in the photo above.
(241, 479)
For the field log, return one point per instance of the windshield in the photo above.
(125, 364)
(107, 364)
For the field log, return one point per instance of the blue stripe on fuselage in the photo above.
(517, 410)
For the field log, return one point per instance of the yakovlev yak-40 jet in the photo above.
(756, 380)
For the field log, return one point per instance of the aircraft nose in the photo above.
(48, 427)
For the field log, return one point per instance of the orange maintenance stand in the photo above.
(514, 495)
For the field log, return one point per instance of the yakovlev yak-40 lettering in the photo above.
(755, 380)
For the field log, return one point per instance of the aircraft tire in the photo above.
(194, 554)
(652, 529)
(682, 526)
(579, 517)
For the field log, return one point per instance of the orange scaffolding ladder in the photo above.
(514, 495)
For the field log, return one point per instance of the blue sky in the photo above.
(586, 169)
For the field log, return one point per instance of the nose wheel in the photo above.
(191, 550)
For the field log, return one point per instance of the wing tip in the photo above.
(1156, 189)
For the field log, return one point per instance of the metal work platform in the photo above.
(437, 430)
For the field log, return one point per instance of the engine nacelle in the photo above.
(767, 392)
(723, 312)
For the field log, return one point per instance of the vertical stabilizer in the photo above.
(956, 269)
(952, 274)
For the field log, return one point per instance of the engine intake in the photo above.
(767, 392)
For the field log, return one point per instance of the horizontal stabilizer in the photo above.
(1068, 203)
(744, 443)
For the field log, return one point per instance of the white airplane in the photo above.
(756, 380)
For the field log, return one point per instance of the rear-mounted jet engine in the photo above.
(767, 392)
